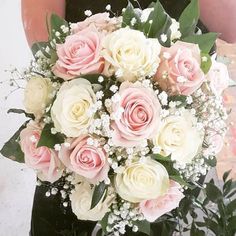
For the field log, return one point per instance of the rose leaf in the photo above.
(12, 149)
(98, 193)
(189, 19)
(48, 139)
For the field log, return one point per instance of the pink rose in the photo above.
(136, 114)
(43, 159)
(153, 209)
(86, 160)
(80, 54)
(218, 76)
(101, 21)
(179, 71)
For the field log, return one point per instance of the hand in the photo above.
(34, 15)
(220, 16)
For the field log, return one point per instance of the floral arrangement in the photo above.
(126, 111)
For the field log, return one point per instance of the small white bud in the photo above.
(108, 7)
(88, 13)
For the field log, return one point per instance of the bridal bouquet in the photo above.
(126, 111)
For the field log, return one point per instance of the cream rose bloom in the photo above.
(70, 109)
(130, 55)
(81, 199)
(179, 137)
(38, 95)
(142, 181)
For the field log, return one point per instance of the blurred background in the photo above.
(17, 182)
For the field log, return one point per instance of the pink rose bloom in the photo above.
(79, 55)
(153, 209)
(43, 159)
(86, 160)
(179, 71)
(136, 114)
(101, 21)
(218, 76)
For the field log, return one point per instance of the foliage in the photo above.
(218, 207)
(20, 111)
(48, 139)
(189, 19)
(56, 24)
(11, 149)
(157, 23)
(204, 41)
(98, 193)
(205, 62)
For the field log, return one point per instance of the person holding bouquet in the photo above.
(214, 15)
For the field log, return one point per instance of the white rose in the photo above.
(130, 55)
(38, 95)
(218, 77)
(81, 199)
(179, 137)
(70, 109)
(142, 181)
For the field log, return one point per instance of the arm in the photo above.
(220, 16)
(34, 14)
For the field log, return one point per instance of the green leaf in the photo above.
(231, 207)
(53, 56)
(151, 5)
(205, 202)
(213, 226)
(189, 18)
(143, 226)
(93, 78)
(12, 149)
(167, 164)
(158, 22)
(200, 224)
(130, 14)
(159, 157)
(211, 162)
(98, 193)
(166, 228)
(205, 62)
(232, 224)
(40, 46)
(48, 139)
(100, 233)
(157, 18)
(165, 30)
(214, 215)
(184, 206)
(232, 194)
(104, 222)
(182, 99)
(50, 53)
(204, 41)
(226, 175)
(227, 187)
(55, 25)
(20, 111)
(213, 193)
(221, 208)
(179, 180)
(195, 231)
